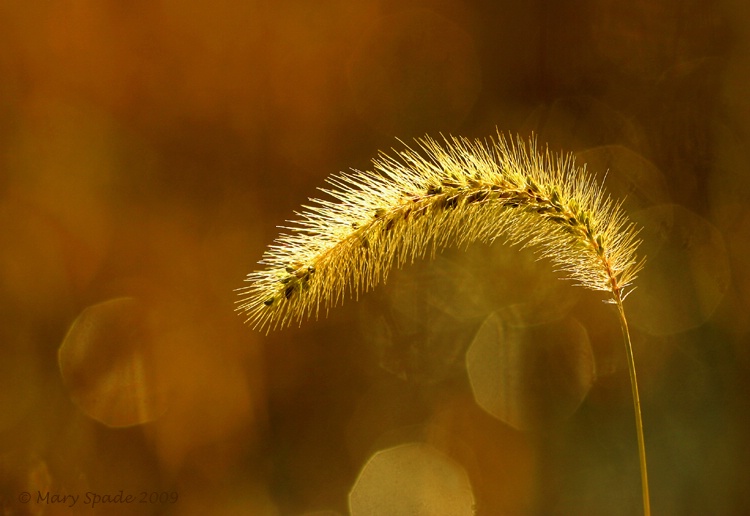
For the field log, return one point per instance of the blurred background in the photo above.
(148, 150)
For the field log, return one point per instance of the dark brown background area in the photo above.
(148, 150)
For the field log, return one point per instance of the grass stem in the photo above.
(636, 407)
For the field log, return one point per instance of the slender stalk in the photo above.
(636, 406)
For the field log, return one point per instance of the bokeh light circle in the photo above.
(411, 480)
(687, 271)
(106, 362)
(530, 376)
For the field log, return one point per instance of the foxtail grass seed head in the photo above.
(443, 194)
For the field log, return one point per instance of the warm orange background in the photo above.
(148, 150)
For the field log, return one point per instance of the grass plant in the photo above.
(449, 193)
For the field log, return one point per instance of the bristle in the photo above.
(418, 202)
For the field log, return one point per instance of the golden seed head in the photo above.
(419, 202)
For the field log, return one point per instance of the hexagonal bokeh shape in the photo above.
(411, 479)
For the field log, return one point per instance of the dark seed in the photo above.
(434, 190)
(269, 301)
(479, 196)
(289, 291)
